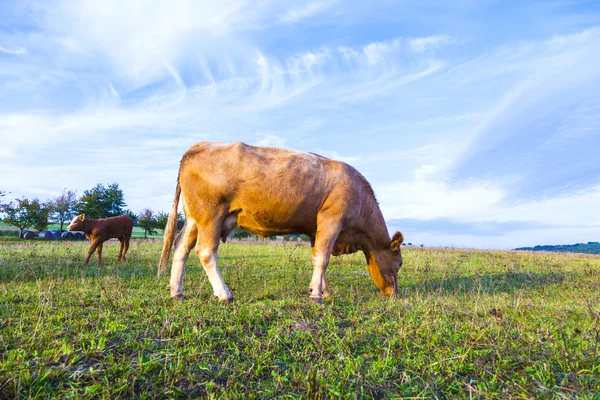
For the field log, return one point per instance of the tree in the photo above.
(102, 202)
(2, 194)
(133, 216)
(25, 214)
(41, 215)
(180, 221)
(114, 200)
(239, 233)
(147, 221)
(162, 218)
(62, 208)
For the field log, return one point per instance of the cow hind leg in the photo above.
(185, 244)
(125, 246)
(100, 253)
(206, 249)
(122, 240)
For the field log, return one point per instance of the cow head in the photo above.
(384, 265)
(77, 223)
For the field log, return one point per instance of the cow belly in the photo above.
(264, 224)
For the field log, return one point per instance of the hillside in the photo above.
(588, 248)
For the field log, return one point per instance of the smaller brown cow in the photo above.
(99, 231)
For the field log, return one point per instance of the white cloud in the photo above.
(419, 45)
(377, 51)
(270, 140)
(307, 10)
(15, 51)
(334, 155)
(143, 43)
(430, 198)
(567, 219)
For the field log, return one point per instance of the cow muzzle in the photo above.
(391, 289)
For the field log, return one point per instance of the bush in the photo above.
(8, 232)
(240, 234)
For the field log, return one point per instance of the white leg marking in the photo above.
(177, 270)
(208, 258)
(182, 251)
(317, 283)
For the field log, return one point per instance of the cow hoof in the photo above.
(178, 296)
(226, 300)
(317, 299)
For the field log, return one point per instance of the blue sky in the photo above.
(477, 122)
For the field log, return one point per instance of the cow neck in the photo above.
(88, 225)
(375, 228)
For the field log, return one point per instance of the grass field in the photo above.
(486, 324)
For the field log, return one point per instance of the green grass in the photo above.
(485, 324)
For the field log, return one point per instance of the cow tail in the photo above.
(169, 235)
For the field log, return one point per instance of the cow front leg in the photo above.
(182, 251)
(324, 289)
(326, 235)
(95, 244)
(317, 283)
(206, 249)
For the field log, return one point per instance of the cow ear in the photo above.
(82, 217)
(396, 242)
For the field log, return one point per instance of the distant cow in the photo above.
(99, 231)
(269, 191)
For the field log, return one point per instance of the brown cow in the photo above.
(99, 231)
(269, 191)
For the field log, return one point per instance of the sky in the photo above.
(477, 122)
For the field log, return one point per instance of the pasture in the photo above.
(467, 323)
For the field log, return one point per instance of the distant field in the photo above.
(486, 324)
(137, 231)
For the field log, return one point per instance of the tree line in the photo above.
(98, 202)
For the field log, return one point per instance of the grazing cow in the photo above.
(269, 191)
(99, 231)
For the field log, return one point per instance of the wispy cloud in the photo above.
(15, 51)
(430, 42)
(307, 10)
(541, 137)
(269, 140)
